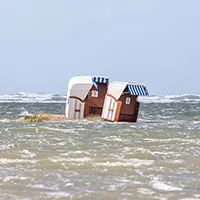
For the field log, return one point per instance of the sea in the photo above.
(156, 158)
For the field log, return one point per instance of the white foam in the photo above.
(76, 160)
(3, 147)
(25, 113)
(197, 196)
(32, 98)
(55, 98)
(182, 98)
(4, 120)
(125, 163)
(162, 186)
(27, 154)
(145, 191)
(40, 186)
(69, 184)
(6, 146)
(75, 152)
(59, 194)
(9, 178)
(4, 161)
(115, 138)
(60, 130)
(112, 187)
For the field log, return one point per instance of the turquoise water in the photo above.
(156, 158)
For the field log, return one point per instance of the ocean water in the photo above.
(156, 158)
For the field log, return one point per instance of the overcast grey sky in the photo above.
(45, 42)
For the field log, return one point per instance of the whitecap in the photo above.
(60, 130)
(27, 154)
(9, 178)
(115, 138)
(4, 161)
(76, 160)
(6, 146)
(162, 186)
(112, 187)
(145, 191)
(23, 97)
(69, 184)
(59, 194)
(75, 152)
(4, 120)
(125, 163)
(180, 98)
(40, 186)
(25, 113)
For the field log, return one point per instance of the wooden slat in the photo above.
(118, 110)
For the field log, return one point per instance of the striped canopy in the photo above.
(139, 90)
(98, 79)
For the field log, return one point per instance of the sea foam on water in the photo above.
(155, 158)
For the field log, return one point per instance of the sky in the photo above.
(45, 43)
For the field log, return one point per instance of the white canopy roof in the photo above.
(116, 88)
(79, 86)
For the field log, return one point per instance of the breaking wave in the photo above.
(58, 98)
(32, 98)
(181, 98)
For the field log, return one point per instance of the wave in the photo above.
(58, 98)
(23, 97)
(4, 120)
(180, 98)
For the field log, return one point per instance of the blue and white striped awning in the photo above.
(98, 79)
(139, 90)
